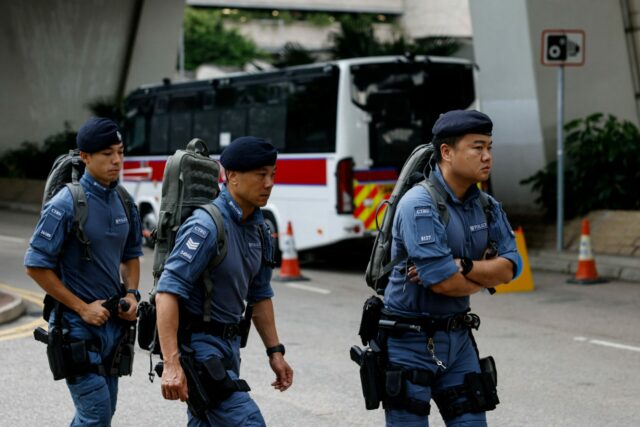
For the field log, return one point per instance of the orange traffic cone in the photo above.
(586, 273)
(290, 267)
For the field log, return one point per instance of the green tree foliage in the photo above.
(602, 168)
(32, 160)
(357, 39)
(293, 54)
(207, 41)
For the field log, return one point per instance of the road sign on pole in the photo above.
(561, 48)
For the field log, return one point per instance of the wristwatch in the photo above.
(466, 264)
(275, 349)
(135, 293)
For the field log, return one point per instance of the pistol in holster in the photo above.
(208, 381)
(371, 362)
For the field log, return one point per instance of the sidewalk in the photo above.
(11, 307)
(614, 267)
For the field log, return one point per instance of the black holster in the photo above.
(67, 358)
(245, 326)
(208, 382)
(371, 374)
(122, 359)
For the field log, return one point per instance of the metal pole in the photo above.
(181, 53)
(560, 136)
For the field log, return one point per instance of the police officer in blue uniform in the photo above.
(57, 261)
(446, 263)
(242, 276)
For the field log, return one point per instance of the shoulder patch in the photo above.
(200, 231)
(56, 213)
(50, 223)
(190, 246)
(424, 225)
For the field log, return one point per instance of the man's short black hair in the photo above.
(451, 141)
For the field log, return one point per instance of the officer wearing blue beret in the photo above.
(447, 261)
(80, 285)
(242, 276)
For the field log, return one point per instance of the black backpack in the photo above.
(66, 171)
(415, 171)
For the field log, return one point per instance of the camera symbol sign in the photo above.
(563, 47)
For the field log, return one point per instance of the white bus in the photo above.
(343, 129)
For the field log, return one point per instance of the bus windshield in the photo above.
(404, 99)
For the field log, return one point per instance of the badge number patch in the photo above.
(190, 247)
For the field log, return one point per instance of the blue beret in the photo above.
(248, 153)
(461, 122)
(97, 134)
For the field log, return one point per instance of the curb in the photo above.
(20, 207)
(611, 267)
(11, 310)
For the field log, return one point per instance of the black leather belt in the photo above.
(429, 324)
(227, 331)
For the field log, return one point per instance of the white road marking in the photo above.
(308, 288)
(12, 239)
(608, 344)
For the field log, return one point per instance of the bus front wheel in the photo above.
(149, 223)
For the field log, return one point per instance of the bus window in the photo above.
(135, 129)
(404, 100)
(269, 121)
(159, 128)
(311, 115)
(181, 110)
(268, 113)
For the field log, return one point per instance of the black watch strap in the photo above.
(135, 293)
(467, 265)
(275, 349)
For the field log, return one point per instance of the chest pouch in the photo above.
(371, 312)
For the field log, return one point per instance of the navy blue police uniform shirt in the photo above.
(240, 276)
(113, 240)
(420, 236)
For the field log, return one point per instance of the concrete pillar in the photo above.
(520, 94)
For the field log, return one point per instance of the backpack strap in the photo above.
(267, 259)
(486, 204)
(438, 195)
(221, 238)
(81, 212)
(127, 201)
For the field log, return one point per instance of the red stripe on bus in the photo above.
(301, 171)
(290, 171)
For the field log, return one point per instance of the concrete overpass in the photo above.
(58, 55)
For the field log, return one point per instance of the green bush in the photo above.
(207, 41)
(357, 39)
(33, 161)
(602, 168)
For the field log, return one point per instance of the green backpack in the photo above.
(190, 181)
(415, 171)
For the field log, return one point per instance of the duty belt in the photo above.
(429, 324)
(227, 331)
